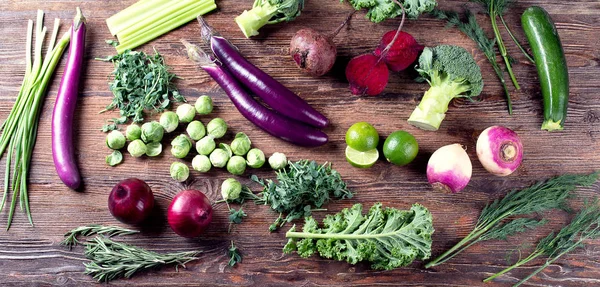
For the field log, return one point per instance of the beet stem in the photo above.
(389, 46)
(342, 25)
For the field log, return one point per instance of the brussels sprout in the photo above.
(153, 149)
(152, 132)
(241, 144)
(227, 148)
(217, 127)
(186, 113)
(136, 148)
(278, 161)
(236, 165)
(196, 130)
(133, 132)
(231, 189)
(206, 145)
(115, 140)
(219, 157)
(255, 158)
(169, 121)
(116, 157)
(204, 105)
(201, 163)
(179, 171)
(180, 146)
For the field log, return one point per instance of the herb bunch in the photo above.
(542, 196)
(111, 260)
(386, 237)
(585, 225)
(471, 28)
(141, 83)
(301, 187)
(94, 229)
(234, 254)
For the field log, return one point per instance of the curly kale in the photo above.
(385, 237)
(380, 10)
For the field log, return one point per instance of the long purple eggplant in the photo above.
(260, 83)
(270, 121)
(63, 151)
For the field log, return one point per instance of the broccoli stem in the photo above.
(430, 113)
(252, 20)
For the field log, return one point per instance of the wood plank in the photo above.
(32, 256)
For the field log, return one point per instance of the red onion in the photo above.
(190, 213)
(131, 201)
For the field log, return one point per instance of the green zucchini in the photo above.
(551, 65)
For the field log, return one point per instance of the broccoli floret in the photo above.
(265, 12)
(452, 73)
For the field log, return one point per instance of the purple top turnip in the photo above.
(314, 53)
(499, 150)
(449, 168)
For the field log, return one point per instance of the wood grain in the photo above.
(31, 256)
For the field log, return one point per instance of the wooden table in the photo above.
(32, 256)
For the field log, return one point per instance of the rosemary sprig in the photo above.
(111, 260)
(542, 196)
(71, 236)
(585, 225)
(472, 29)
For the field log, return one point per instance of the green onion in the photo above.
(149, 19)
(19, 130)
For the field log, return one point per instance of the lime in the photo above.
(362, 136)
(400, 148)
(362, 159)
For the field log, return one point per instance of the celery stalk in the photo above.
(156, 19)
(154, 32)
(134, 13)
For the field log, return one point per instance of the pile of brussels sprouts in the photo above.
(146, 140)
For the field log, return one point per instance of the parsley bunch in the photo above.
(141, 82)
(300, 187)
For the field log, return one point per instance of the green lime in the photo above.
(362, 159)
(362, 136)
(400, 148)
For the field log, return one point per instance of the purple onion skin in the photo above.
(449, 169)
(264, 86)
(63, 151)
(273, 123)
(131, 201)
(190, 213)
(499, 150)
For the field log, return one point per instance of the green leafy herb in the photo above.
(234, 255)
(111, 260)
(112, 124)
(388, 238)
(300, 187)
(542, 196)
(585, 225)
(472, 29)
(71, 236)
(142, 82)
(235, 217)
(380, 10)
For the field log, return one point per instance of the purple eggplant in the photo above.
(64, 108)
(270, 121)
(273, 93)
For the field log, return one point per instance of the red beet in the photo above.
(313, 52)
(402, 53)
(367, 75)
